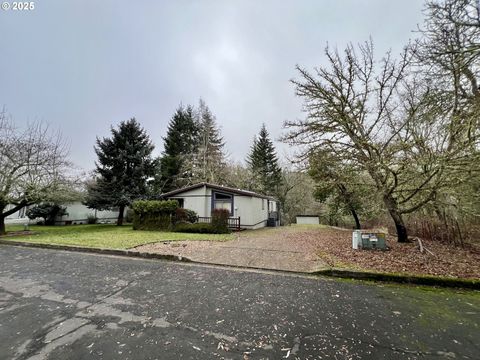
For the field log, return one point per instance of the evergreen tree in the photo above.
(208, 161)
(263, 163)
(124, 165)
(181, 141)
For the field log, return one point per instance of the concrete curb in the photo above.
(332, 272)
(402, 279)
(116, 252)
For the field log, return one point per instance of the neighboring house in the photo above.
(77, 214)
(18, 217)
(254, 210)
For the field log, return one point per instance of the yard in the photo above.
(103, 236)
(302, 248)
(316, 247)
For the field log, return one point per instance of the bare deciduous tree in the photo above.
(384, 119)
(33, 167)
(448, 55)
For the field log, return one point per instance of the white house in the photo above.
(254, 210)
(77, 214)
(18, 217)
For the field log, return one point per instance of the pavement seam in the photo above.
(88, 321)
(116, 292)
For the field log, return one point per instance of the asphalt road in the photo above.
(66, 305)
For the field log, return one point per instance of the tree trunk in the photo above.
(402, 234)
(357, 220)
(397, 218)
(347, 199)
(121, 210)
(2, 225)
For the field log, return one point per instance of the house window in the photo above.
(263, 204)
(181, 202)
(222, 201)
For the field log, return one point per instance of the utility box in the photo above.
(364, 239)
(271, 222)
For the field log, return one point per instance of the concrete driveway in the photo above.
(65, 305)
(283, 248)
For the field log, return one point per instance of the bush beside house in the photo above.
(197, 228)
(220, 221)
(167, 216)
(185, 216)
(154, 214)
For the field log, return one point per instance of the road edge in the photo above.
(102, 251)
(424, 280)
(435, 281)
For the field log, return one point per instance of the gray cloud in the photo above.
(84, 65)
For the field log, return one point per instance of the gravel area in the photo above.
(310, 248)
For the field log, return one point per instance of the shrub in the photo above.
(220, 221)
(49, 212)
(192, 216)
(154, 206)
(185, 216)
(199, 228)
(154, 214)
(129, 216)
(180, 216)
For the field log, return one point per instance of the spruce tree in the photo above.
(263, 163)
(181, 140)
(124, 165)
(208, 161)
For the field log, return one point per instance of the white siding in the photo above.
(253, 211)
(195, 200)
(249, 208)
(18, 217)
(308, 220)
(79, 213)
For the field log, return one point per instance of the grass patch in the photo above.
(104, 236)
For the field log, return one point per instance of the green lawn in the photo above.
(104, 236)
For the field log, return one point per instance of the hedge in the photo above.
(199, 228)
(167, 216)
(155, 206)
(154, 214)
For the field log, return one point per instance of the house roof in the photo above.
(215, 187)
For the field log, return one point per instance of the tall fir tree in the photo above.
(263, 163)
(180, 142)
(209, 160)
(124, 165)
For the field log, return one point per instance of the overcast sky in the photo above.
(83, 66)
